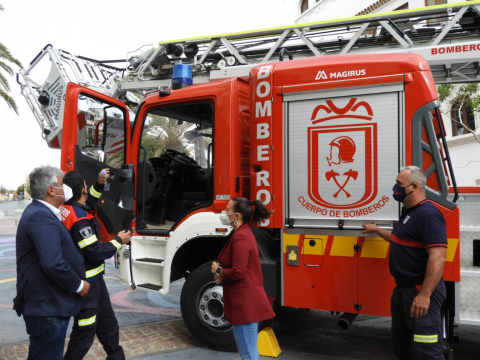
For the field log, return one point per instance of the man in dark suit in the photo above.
(50, 267)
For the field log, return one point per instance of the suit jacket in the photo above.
(49, 265)
(243, 292)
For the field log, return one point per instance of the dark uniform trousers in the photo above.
(417, 338)
(95, 318)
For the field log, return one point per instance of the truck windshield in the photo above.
(168, 132)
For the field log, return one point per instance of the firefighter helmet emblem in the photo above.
(342, 150)
(342, 171)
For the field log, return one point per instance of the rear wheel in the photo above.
(202, 308)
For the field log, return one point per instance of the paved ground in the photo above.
(152, 328)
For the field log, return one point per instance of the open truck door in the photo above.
(96, 136)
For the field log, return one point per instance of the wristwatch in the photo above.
(218, 271)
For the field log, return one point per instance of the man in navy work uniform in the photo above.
(418, 249)
(50, 267)
(96, 315)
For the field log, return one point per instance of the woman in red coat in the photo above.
(245, 300)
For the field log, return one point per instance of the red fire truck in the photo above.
(319, 140)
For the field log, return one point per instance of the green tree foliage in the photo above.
(164, 133)
(20, 190)
(457, 96)
(6, 59)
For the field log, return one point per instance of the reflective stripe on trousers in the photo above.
(86, 322)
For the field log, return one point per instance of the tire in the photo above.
(198, 287)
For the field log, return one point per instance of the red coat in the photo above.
(243, 293)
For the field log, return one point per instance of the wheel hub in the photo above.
(211, 308)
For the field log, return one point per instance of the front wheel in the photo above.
(201, 303)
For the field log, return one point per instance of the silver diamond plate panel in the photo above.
(469, 212)
(472, 269)
(470, 317)
(466, 247)
(469, 295)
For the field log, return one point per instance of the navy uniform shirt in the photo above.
(420, 227)
(82, 223)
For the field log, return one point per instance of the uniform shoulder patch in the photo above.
(86, 232)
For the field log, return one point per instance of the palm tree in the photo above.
(5, 58)
(164, 133)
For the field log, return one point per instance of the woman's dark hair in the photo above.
(76, 182)
(252, 211)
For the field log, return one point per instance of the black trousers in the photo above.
(95, 318)
(417, 338)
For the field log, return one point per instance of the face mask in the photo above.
(67, 190)
(224, 218)
(399, 192)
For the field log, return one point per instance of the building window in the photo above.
(437, 19)
(303, 6)
(435, 2)
(465, 115)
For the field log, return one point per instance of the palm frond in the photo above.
(5, 54)
(4, 83)
(9, 100)
(7, 68)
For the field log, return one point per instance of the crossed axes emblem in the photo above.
(333, 175)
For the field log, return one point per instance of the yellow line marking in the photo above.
(452, 249)
(343, 246)
(110, 277)
(289, 239)
(318, 249)
(375, 247)
(7, 280)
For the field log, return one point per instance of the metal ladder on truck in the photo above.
(448, 36)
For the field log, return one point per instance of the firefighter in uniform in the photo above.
(96, 316)
(418, 249)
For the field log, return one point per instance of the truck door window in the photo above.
(175, 166)
(101, 131)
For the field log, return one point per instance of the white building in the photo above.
(463, 147)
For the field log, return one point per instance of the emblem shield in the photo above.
(86, 232)
(342, 158)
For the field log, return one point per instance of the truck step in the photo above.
(150, 286)
(152, 260)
